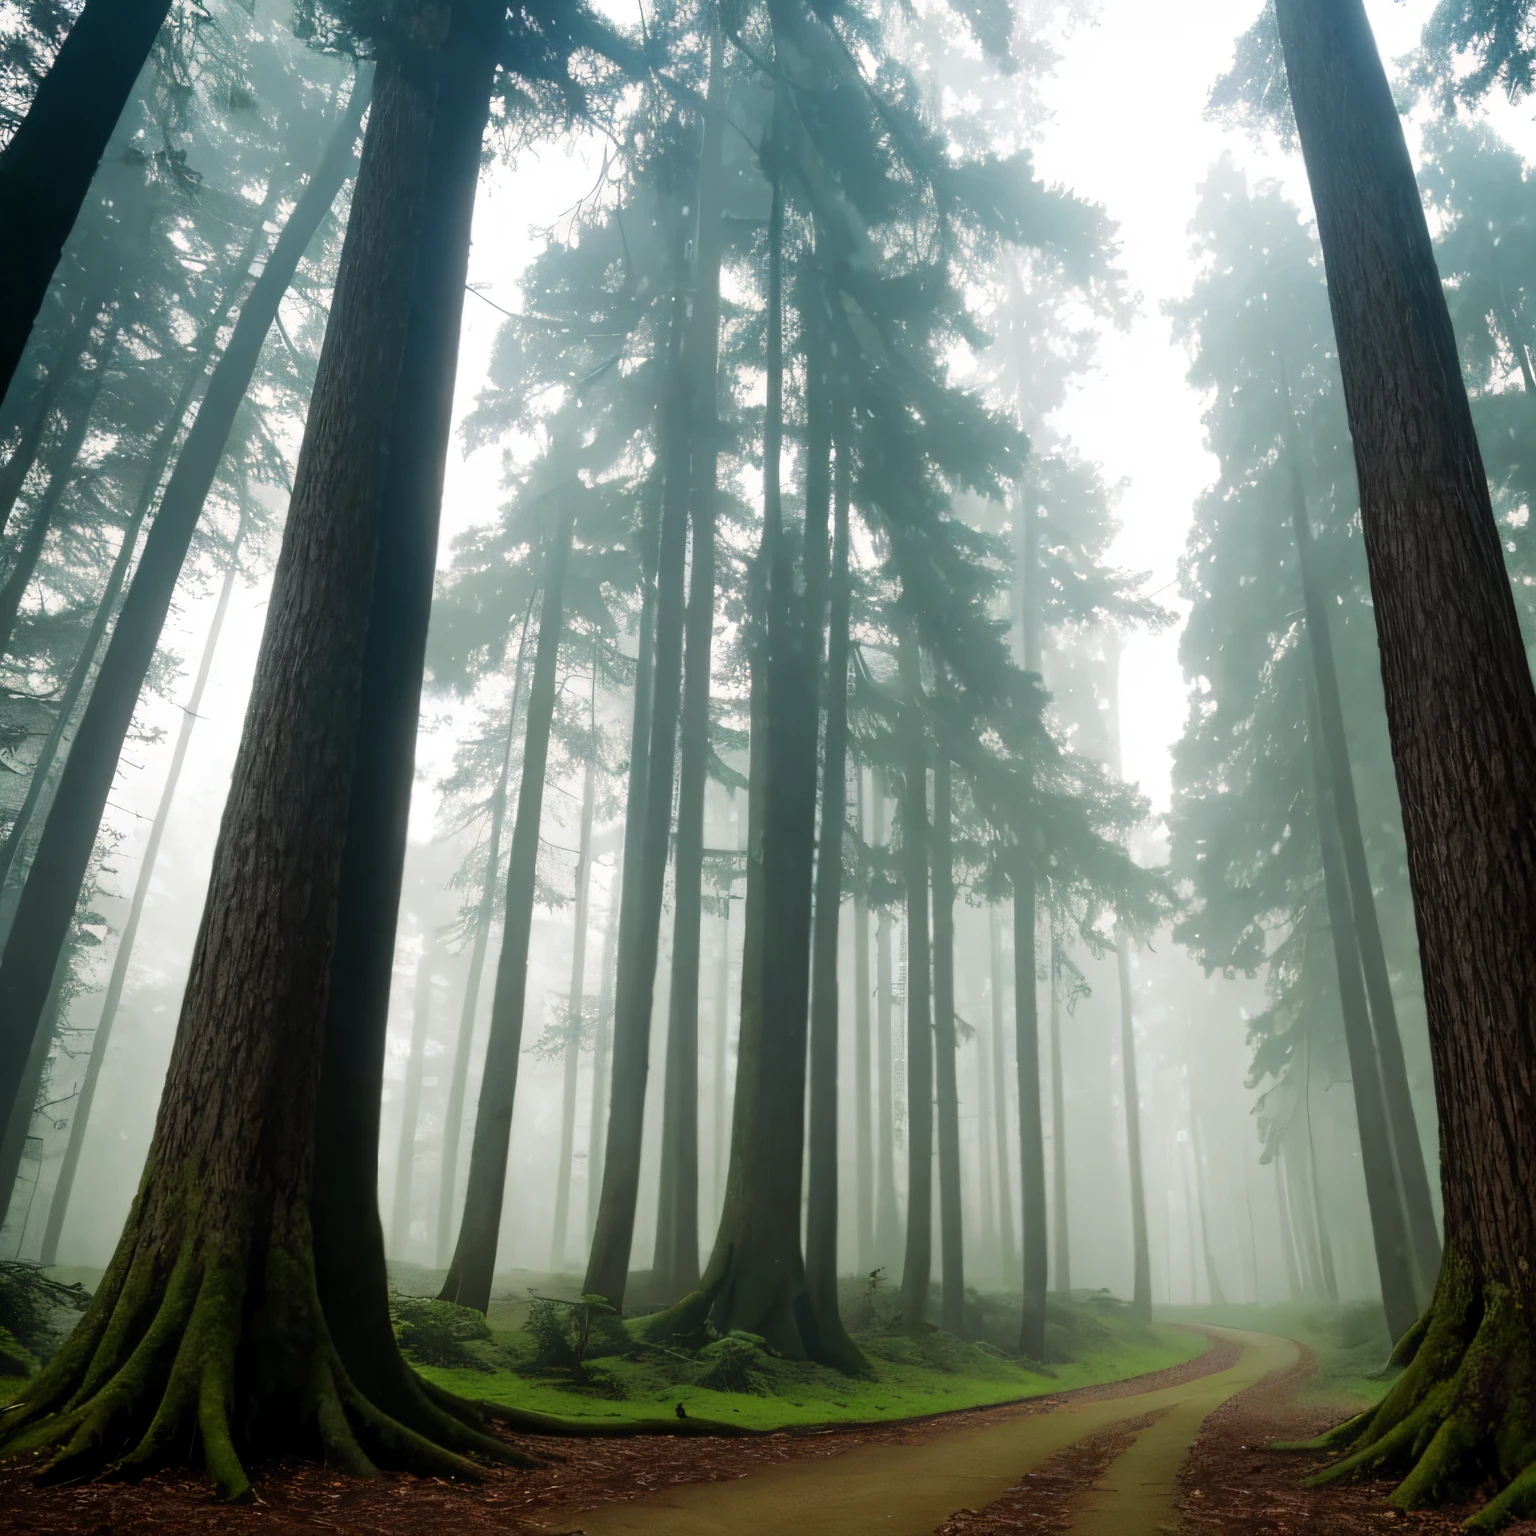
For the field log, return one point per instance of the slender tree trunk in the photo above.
(645, 882)
(217, 1256)
(62, 465)
(985, 1142)
(1412, 1175)
(888, 1231)
(46, 169)
(1058, 1129)
(80, 1121)
(1031, 1133)
(676, 1261)
(410, 1104)
(1287, 1235)
(600, 1048)
(453, 1117)
(1324, 1241)
(1299, 1201)
(863, 1102)
(474, 1259)
(13, 1140)
(1212, 1274)
(918, 1258)
(720, 1121)
(1007, 1255)
(951, 1216)
(575, 1008)
(53, 882)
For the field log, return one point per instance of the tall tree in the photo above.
(951, 1222)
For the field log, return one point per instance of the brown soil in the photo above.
(294, 1496)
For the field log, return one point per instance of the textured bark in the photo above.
(52, 886)
(474, 1258)
(208, 1324)
(951, 1218)
(646, 860)
(917, 1259)
(410, 1103)
(1007, 1255)
(1026, 1016)
(485, 913)
(1058, 1130)
(575, 1004)
(676, 1262)
(46, 169)
(58, 1208)
(863, 1086)
(888, 1230)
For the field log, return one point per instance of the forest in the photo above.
(767, 766)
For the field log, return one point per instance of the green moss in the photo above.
(911, 1377)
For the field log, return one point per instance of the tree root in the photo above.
(1462, 1412)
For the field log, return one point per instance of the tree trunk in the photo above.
(888, 1231)
(1058, 1129)
(646, 862)
(474, 1258)
(1007, 1257)
(1393, 1256)
(61, 471)
(80, 1122)
(410, 1104)
(987, 1235)
(1141, 1253)
(600, 1047)
(1212, 1274)
(918, 1258)
(13, 1141)
(575, 1007)
(1287, 1236)
(53, 882)
(453, 1117)
(1031, 1133)
(676, 1262)
(1413, 1178)
(863, 1088)
(951, 1217)
(720, 1122)
(46, 169)
(217, 1257)
(822, 1190)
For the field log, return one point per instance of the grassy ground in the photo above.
(523, 1357)
(1350, 1341)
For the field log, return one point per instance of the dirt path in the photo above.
(909, 1490)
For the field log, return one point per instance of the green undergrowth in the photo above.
(1350, 1341)
(540, 1351)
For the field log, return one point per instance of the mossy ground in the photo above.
(1350, 1341)
(624, 1378)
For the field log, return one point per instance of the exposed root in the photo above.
(1462, 1412)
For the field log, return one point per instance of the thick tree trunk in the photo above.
(646, 858)
(917, 1260)
(1058, 1129)
(474, 1258)
(46, 169)
(1007, 1255)
(575, 1004)
(1026, 1016)
(410, 1104)
(1462, 716)
(216, 1259)
(80, 1121)
(888, 1231)
(485, 914)
(951, 1216)
(53, 882)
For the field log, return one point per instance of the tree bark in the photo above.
(13, 1139)
(46, 169)
(58, 1208)
(410, 1104)
(575, 1007)
(863, 1087)
(951, 1219)
(1032, 1228)
(917, 1260)
(53, 882)
(888, 1229)
(1058, 1129)
(1006, 1254)
(474, 1260)
(600, 1051)
(986, 1227)
(217, 1258)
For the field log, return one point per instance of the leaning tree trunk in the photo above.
(1031, 1133)
(1006, 1254)
(1461, 712)
(485, 912)
(575, 1003)
(46, 169)
(410, 1103)
(676, 1263)
(474, 1258)
(863, 1088)
(349, 1235)
(640, 933)
(1058, 1129)
(951, 1227)
(215, 1265)
(1334, 742)
(917, 1261)
(52, 886)
(58, 1207)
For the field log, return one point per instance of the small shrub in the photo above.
(733, 1364)
(556, 1333)
(439, 1333)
